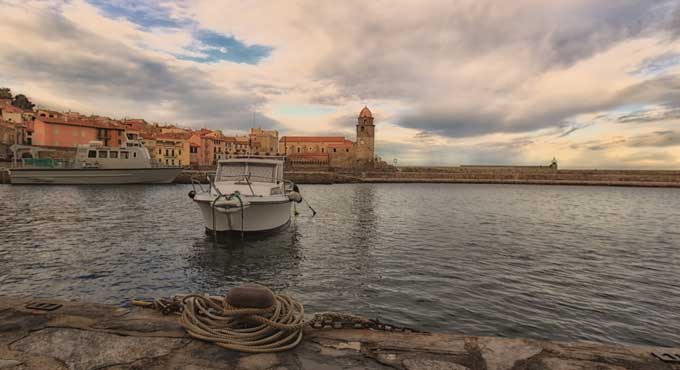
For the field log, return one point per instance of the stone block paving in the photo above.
(82, 336)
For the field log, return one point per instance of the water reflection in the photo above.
(269, 259)
(563, 263)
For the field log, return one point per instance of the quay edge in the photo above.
(83, 336)
(4, 176)
(466, 175)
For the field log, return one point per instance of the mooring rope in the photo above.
(257, 330)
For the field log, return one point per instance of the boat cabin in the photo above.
(255, 176)
(96, 155)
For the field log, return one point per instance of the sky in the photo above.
(595, 84)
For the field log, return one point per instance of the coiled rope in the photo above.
(256, 330)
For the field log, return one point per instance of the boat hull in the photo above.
(257, 217)
(94, 176)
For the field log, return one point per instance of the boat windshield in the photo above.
(260, 172)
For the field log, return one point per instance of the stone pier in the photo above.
(88, 336)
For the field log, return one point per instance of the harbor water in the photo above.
(548, 262)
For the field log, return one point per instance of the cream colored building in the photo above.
(170, 149)
(12, 114)
(263, 142)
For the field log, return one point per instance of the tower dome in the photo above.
(365, 112)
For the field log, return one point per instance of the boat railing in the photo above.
(43, 163)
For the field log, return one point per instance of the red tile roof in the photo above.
(174, 135)
(347, 143)
(11, 109)
(312, 139)
(81, 122)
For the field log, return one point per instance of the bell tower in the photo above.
(365, 145)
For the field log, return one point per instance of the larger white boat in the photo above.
(247, 194)
(97, 164)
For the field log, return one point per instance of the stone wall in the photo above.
(526, 175)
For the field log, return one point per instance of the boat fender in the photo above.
(294, 196)
(192, 194)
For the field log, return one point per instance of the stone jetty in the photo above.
(84, 336)
(475, 175)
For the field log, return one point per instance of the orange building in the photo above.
(62, 132)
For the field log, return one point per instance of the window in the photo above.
(180, 152)
(134, 154)
(113, 154)
(173, 162)
(160, 151)
(167, 152)
(102, 154)
(124, 155)
(347, 150)
(173, 152)
(335, 150)
(166, 161)
(323, 150)
(298, 149)
(92, 154)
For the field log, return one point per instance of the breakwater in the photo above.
(84, 336)
(495, 175)
(4, 176)
(470, 175)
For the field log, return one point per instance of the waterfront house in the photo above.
(60, 131)
(11, 113)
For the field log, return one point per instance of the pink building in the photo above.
(62, 132)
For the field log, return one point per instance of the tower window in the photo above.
(362, 128)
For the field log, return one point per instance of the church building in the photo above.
(334, 151)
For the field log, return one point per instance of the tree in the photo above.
(5, 93)
(21, 101)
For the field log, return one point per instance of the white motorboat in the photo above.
(97, 164)
(246, 194)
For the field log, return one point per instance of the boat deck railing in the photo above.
(65, 164)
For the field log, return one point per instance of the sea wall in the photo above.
(88, 336)
(497, 175)
(4, 176)
(474, 175)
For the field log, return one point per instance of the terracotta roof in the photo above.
(366, 113)
(11, 109)
(312, 139)
(81, 122)
(347, 143)
(174, 135)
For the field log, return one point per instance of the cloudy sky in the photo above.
(593, 83)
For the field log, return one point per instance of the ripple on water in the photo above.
(557, 262)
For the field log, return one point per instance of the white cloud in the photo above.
(465, 82)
